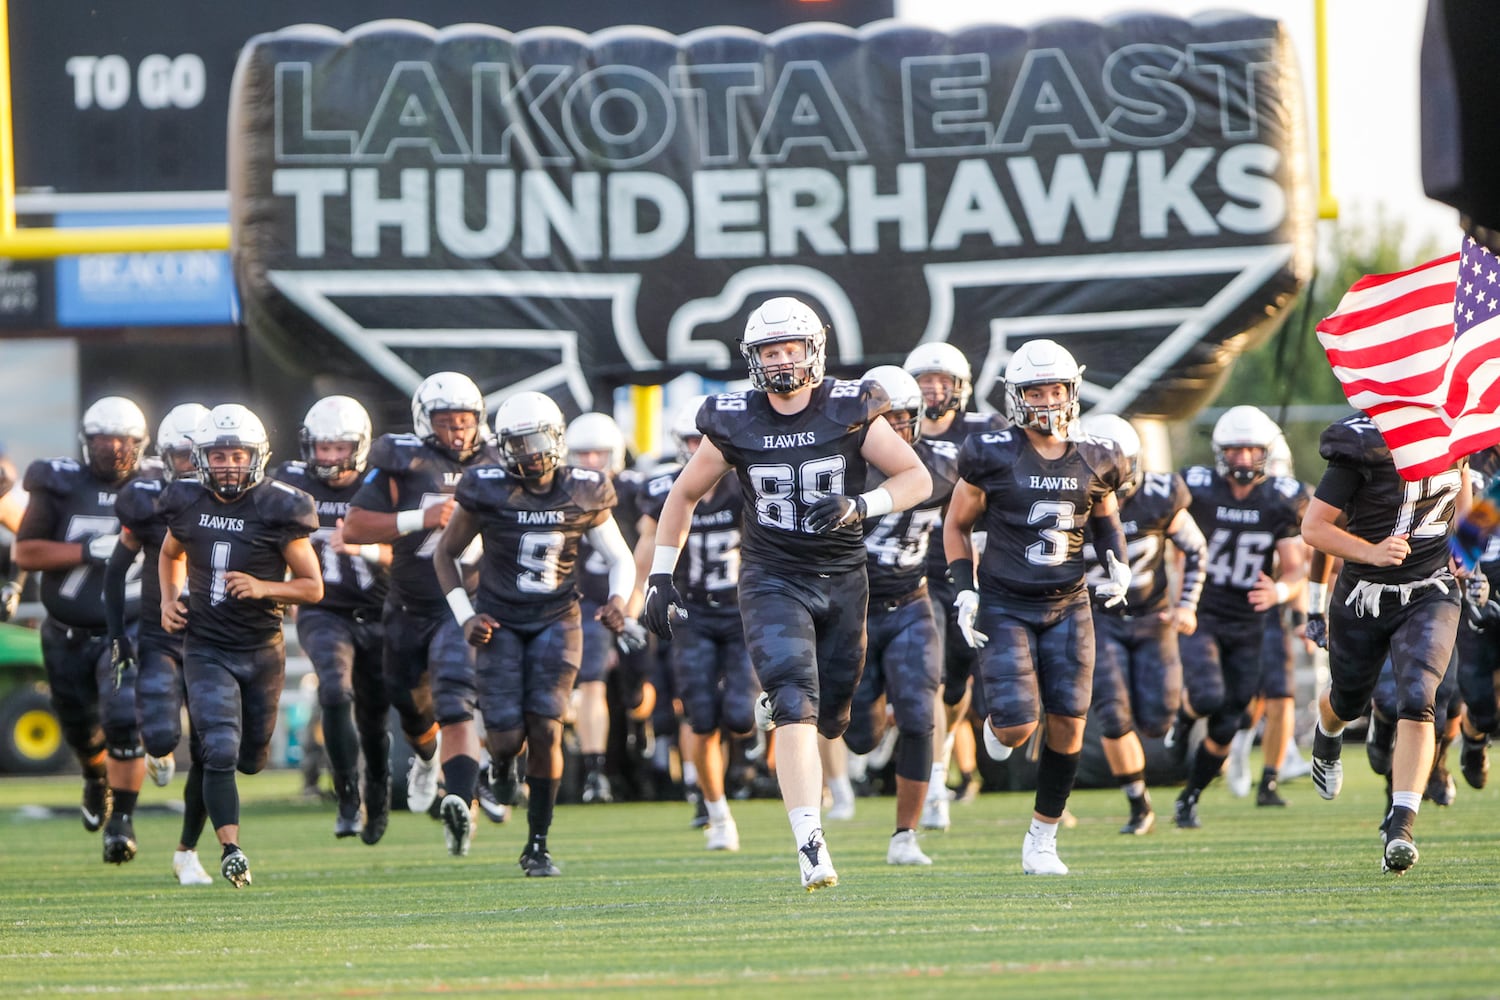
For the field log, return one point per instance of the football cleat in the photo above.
(422, 779)
(236, 868)
(935, 812)
(968, 792)
(998, 751)
(1177, 739)
(1142, 819)
(1327, 768)
(1441, 788)
(1185, 812)
(841, 810)
(537, 863)
(904, 850)
(723, 836)
(505, 782)
(119, 839)
(816, 865)
(1237, 767)
(694, 795)
(188, 870)
(377, 808)
(1399, 855)
(161, 769)
(1268, 795)
(96, 802)
(458, 831)
(346, 822)
(596, 788)
(763, 720)
(494, 810)
(1039, 856)
(1474, 760)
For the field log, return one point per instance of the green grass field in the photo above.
(1258, 903)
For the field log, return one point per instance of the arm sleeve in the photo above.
(1109, 536)
(609, 543)
(1339, 484)
(115, 572)
(1190, 542)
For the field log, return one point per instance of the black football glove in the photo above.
(121, 658)
(1476, 599)
(834, 511)
(663, 603)
(1316, 630)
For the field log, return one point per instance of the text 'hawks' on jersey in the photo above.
(1036, 508)
(69, 504)
(786, 462)
(349, 582)
(136, 508)
(709, 570)
(1144, 516)
(1386, 504)
(243, 535)
(1241, 534)
(531, 540)
(897, 544)
(420, 477)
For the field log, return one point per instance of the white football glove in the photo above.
(966, 604)
(1118, 586)
(632, 637)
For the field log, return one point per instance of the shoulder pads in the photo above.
(1354, 440)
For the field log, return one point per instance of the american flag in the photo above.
(1419, 352)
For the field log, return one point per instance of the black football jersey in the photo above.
(244, 535)
(1145, 517)
(897, 544)
(68, 504)
(709, 568)
(593, 571)
(349, 582)
(531, 540)
(136, 508)
(1036, 508)
(1241, 535)
(957, 432)
(786, 462)
(1385, 504)
(423, 476)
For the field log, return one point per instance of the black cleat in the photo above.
(377, 808)
(700, 806)
(1186, 812)
(1142, 820)
(505, 782)
(236, 868)
(347, 822)
(1474, 760)
(96, 803)
(119, 839)
(1441, 788)
(1176, 740)
(1268, 795)
(537, 863)
(494, 810)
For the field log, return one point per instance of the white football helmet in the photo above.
(1043, 362)
(906, 399)
(113, 416)
(178, 435)
(335, 418)
(776, 321)
(531, 432)
(230, 425)
(1117, 429)
(1244, 427)
(942, 358)
(596, 432)
(447, 392)
(684, 426)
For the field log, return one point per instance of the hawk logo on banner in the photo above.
(565, 212)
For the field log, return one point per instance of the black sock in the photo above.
(593, 763)
(339, 738)
(1268, 777)
(1206, 766)
(1055, 776)
(194, 813)
(1401, 821)
(124, 801)
(539, 808)
(228, 850)
(460, 775)
(221, 797)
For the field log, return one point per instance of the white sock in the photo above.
(1043, 831)
(841, 789)
(1407, 800)
(689, 773)
(804, 820)
(1135, 789)
(859, 768)
(1337, 732)
(937, 785)
(718, 810)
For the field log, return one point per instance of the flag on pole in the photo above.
(1419, 352)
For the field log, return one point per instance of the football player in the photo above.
(244, 540)
(68, 533)
(710, 664)
(157, 656)
(947, 383)
(801, 446)
(1394, 597)
(1478, 652)
(905, 649)
(1252, 522)
(1137, 667)
(341, 634)
(1034, 488)
(532, 510)
(406, 500)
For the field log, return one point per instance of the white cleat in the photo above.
(1294, 765)
(161, 769)
(422, 780)
(817, 867)
(188, 870)
(1039, 856)
(935, 812)
(723, 836)
(1237, 767)
(998, 751)
(458, 825)
(904, 850)
(840, 811)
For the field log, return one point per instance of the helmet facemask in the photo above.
(230, 481)
(1244, 474)
(1054, 419)
(112, 457)
(533, 454)
(786, 377)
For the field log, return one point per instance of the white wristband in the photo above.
(370, 554)
(462, 607)
(1282, 592)
(665, 559)
(878, 502)
(408, 521)
(1317, 598)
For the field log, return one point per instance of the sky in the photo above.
(1373, 93)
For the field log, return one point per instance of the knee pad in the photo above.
(833, 729)
(122, 752)
(914, 756)
(1221, 728)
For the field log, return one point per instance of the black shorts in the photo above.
(233, 695)
(528, 672)
(1418, 636)
(1137, 674)
(1039, 658)
(903, 663)
(93, 713)
(160, 694)
(340, 644)
(711, 672)
(428, 653)
(1221, 666)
